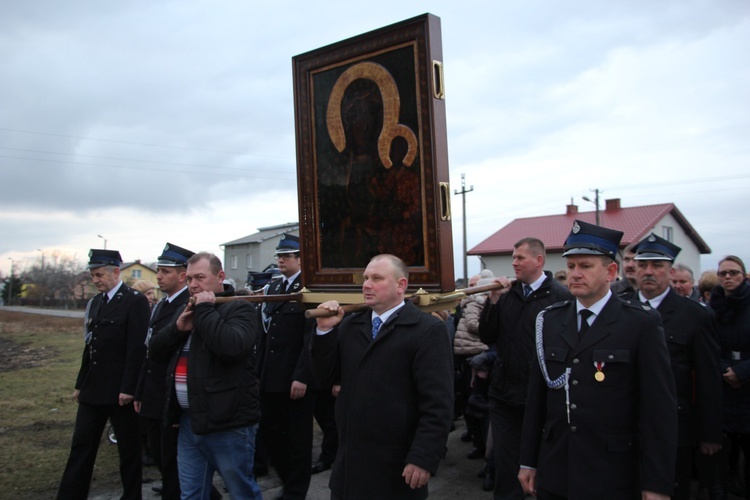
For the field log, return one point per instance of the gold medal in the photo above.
(599, 376)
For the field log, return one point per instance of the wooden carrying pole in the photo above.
(451, 297)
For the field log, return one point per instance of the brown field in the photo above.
(39, 360)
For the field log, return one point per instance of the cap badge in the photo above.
(651, 238)
(576, 227)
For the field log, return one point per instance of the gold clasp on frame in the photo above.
(438, 88)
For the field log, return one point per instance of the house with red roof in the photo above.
(665, 220)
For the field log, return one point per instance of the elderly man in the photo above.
(601, 417)
(117, 320)
(694, 352)
(213, 394)
(508, 320)
(395, 407)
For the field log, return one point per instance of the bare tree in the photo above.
(57, 278)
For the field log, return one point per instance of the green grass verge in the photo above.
(39, 361)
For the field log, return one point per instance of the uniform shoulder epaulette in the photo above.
(640, 306)
(557, 305)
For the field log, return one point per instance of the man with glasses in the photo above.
(286, 399)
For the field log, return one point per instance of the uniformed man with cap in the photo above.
(151, 392)
(258, 282)
(113, 352)
(694, 352)
(601, 416)
(286, 376)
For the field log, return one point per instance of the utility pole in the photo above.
(463, 196)
(105, 240)
(41, 282)
(10, 283)
(595, 201)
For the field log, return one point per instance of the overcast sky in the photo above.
(154, 121)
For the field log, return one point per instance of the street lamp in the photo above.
(105, 240)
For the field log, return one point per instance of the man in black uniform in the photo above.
(508, 322)
(112, 356)
(601, 416)
(286, 399)
(151, 392)
(693, 350)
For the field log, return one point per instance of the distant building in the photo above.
(130, 272)
(665, 220)
(254, 252)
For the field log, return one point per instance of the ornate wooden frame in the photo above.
(372, 157)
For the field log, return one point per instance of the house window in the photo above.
(234, 262)
(667, 233)
(135, 273)
(249, 261)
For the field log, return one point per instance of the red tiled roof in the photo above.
(634, 222)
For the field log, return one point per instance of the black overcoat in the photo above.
(283, 349)
(396, 401)
(115, 347)
(690, 331)
(151, 391)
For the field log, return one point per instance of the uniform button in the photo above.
(573, 429)
(94, 362)
(573, 407)
(679, 407)
(552, 355)
(575, 382)
(576, 361)
(611, 356)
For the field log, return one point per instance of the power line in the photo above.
(262, 174)
(111, 158)
(126, 142)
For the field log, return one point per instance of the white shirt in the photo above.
(595, 308)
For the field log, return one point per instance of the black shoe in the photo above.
(466, 437)
(320, 466)
(475, 453)
(489, 482)
(157, 489)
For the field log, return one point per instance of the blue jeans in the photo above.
(229, 452)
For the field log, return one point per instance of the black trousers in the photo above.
(89, 426)
(286, 428)
(325, 403)
(506, 424)
(162, 441)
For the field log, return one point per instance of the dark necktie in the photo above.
(647, 303)
(585, 315)
(527, 290)
(105, 299)
(286, 285)
(376, 322)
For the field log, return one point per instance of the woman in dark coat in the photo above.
(731, 302)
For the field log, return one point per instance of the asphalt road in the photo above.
(456, 477)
